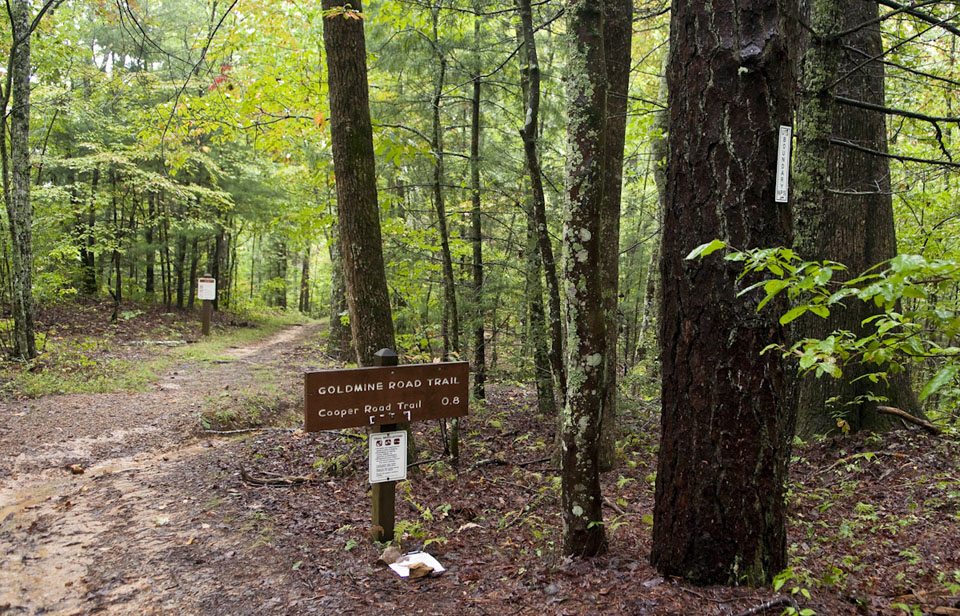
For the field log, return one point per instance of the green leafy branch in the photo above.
(895, 337)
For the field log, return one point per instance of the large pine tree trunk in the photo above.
(843, 206)
(726, 424)
(353, 161)
(583, 533)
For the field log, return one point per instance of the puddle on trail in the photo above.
(53, 525)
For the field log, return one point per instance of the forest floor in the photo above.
(123, 504)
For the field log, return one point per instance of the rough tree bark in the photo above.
(353, 162)
(726, 424)
(583, 533)
(843, 208)
(16, 177)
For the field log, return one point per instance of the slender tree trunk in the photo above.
(583, 532)
(339, 344)
(531, 138)
(88, 255)
(17, 179)
(476, 238)
(726, 421)
(451, 322)
(304, 304)
(843, 206)
(658, 156)
(166, 275)
(181, 256)
(617, 33)
(118, 239)
(192, 281)
(537, 325)
(150, 282)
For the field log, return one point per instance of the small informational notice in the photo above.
(782, 190)
(388, 456)
(206, 289)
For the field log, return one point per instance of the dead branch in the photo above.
(487, 462)
(614, 506)
(281, 480)
(767, 605)
(923, 423)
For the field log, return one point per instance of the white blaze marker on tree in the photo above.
(783, 165)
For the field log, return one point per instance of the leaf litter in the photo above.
(874, 521)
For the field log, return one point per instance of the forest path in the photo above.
(97, 541)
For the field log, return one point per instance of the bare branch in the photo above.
(907, 159)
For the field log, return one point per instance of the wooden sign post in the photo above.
(381, 397)
(206, 292)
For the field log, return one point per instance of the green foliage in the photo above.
(915, 328)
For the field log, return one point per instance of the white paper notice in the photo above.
(407, 561)
(207, 289)
(388, 456)
(783, 165)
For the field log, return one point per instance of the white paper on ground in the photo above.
(402, 566)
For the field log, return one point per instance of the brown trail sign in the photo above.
(381, 397)
(358, 397)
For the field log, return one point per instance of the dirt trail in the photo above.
(98, 541)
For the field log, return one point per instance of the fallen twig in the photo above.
(614, 506)
(422, 462)
(923, 423)
(767, 605)
(487, 462)
(537, 461)
(282, 480)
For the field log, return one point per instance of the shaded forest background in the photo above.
(172, 140)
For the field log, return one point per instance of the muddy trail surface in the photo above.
(97, 490)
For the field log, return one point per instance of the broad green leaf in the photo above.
(792, 314)
(705, 249)
(941, 378)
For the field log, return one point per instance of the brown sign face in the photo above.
(335, 399)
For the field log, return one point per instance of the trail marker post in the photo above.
(381, 397)
(384, 495)
(206, 293)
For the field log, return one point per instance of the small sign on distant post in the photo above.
(207, 292)
(388, 456)
(207, 288)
